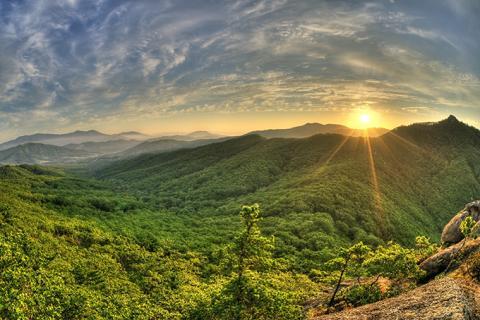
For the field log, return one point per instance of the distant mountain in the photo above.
(166, 145)
(71, 138)
(196, 135)
(37, 153)
(133, 135)
(310, 129)
(104, 147)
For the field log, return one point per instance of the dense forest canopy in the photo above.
(159, 236)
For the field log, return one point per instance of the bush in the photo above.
(5, 214)
(102, 204)
(360, 294)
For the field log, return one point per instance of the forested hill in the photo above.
(404, 183)
(41, 153)
(310, 129)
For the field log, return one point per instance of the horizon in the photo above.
(236, 67)
(161, 134)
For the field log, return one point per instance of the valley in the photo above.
(179, 208)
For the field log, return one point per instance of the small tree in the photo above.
(354, 255)
(251, 293)
(252, 251)
(394, 262)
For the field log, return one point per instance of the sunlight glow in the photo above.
(377, 197)
(323, 167)
(365, 118)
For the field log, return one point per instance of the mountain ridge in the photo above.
(313, 128)
(37, 153)
(62, 139)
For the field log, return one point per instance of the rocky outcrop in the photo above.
(452, 298)
(447, 298)
(452, 236)
(451, 232)
(437, 263)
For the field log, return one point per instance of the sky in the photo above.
(235, 66)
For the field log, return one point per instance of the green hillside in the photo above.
(57, 261)
(315, 193)
(104, 147)
(32, 153)
(164, 145)
(310, 129)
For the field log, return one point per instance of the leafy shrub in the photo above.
(424, 248)
(5, 213)
(147, 241)
(360, 294)
(103, 204)
(62, 230)
(60, 201)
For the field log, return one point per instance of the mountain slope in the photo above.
(310, 129)
(104, 147)
(165, 145)
(321, 189)
(56, 266)
(195, 135)
(37, 153)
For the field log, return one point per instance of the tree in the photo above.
(252, 292)
(391, 261)
(354, 255)
(252, 251)
(394, 262)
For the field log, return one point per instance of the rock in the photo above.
(438, 262)
(446, 298)
(451, 232)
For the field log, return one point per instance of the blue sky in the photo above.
(233, 66)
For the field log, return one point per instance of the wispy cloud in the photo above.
(75, 62)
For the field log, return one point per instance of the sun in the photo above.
(364, 119)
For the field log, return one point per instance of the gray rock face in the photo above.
(444, 299)
(451, 233)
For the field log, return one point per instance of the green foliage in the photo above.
(424, 248)
(60, 259)
(390, 261)
(154, 238)
(350, 258)
(360, 294)
(250, 293)
(466, 226)
(312, 203)
(252, 250)
(394, 262)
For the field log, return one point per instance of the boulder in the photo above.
(437, 263)
(451, 232)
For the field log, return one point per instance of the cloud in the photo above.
(83, 61)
